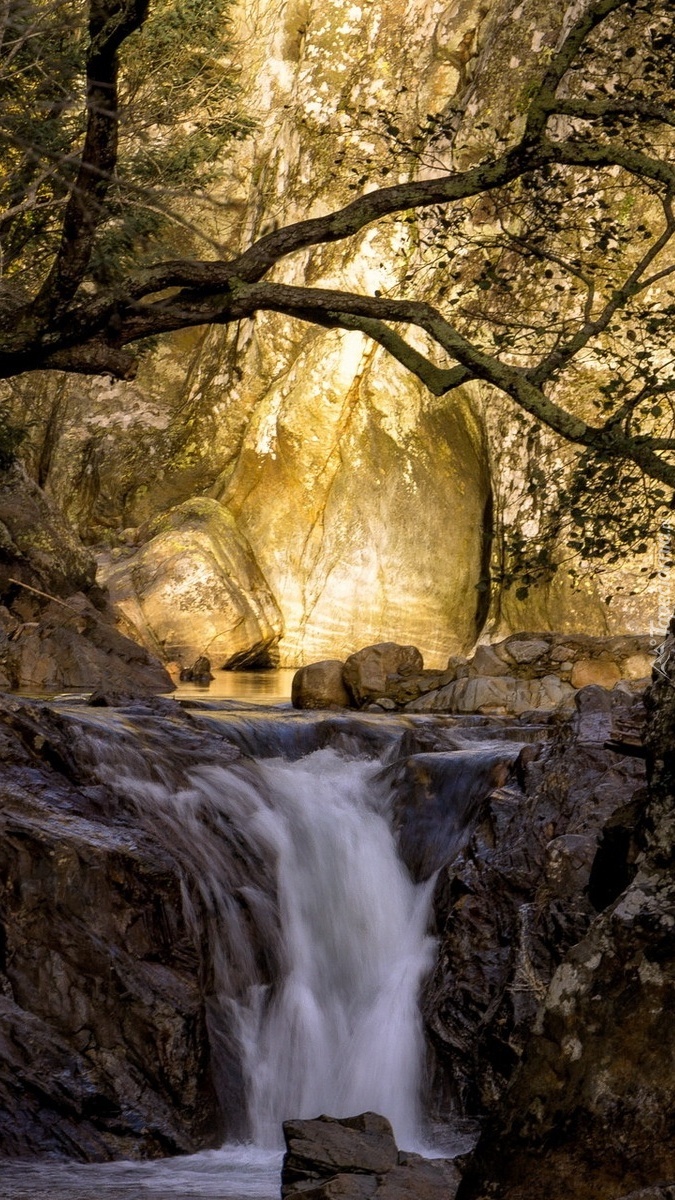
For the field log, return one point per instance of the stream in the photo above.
(318, 956)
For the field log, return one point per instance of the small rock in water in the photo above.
(199, 672)
(108, 698)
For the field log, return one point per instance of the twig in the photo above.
(45, 596)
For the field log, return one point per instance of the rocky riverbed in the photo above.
(521, 673)
(546, 1013)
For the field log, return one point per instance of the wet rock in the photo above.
(101, 698)
(356, 1157)
(195, 584)
(366, 674)
(595, 1087)
(420, 1178)
(199, 672)
(436, 799)
(510, 906)
(320, 685)
(75, 646)
(328, 1146)
(104, 1050)
(588, 1112)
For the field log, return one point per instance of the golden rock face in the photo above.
(193, 588)
(361, 499)
(364, 511)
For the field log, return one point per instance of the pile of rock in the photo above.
(357, 1157)
(523, 672)
(57, 628)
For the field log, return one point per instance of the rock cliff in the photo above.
(588, 1113)
(370, 510)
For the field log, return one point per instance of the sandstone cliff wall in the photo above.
(370, 508)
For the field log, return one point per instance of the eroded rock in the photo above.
(588, 1113)
(320, 685)
(513, 902)
(194, 588)
(367, 673)
(57, 629)
(353, 1158)
(436, 798)
(104, 1050)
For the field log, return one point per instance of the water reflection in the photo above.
(261, 687)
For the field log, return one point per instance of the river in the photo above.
(344, 925)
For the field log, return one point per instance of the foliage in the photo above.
(177, 110)
(543, 255)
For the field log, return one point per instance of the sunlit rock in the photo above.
(320, 685)
(194, 589)
(366, 673)
(363, 505)
(587, 670)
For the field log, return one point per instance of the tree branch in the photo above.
(591, 110)
(109, 25)
(439, 380)
(563, 354)
(544, 102)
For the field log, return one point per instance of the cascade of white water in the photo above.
(298, 858)
(341, 1033)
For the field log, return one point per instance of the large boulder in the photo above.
(38, 548)
(354, 1158)
(194, 588)
(370, 672)
(73, 646)
(104, 1049)
(320, 685)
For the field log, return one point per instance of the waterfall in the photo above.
(286, 829)
(342, 1033)
(318, 936)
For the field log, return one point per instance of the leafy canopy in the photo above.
(543, 259)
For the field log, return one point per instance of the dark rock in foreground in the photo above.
(589, 1112)
(104, 1049)
(518, 897)
(356, 1157)
(57, 628)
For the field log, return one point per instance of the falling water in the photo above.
(342, 1032)
(318, 943)
(331, 1023)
